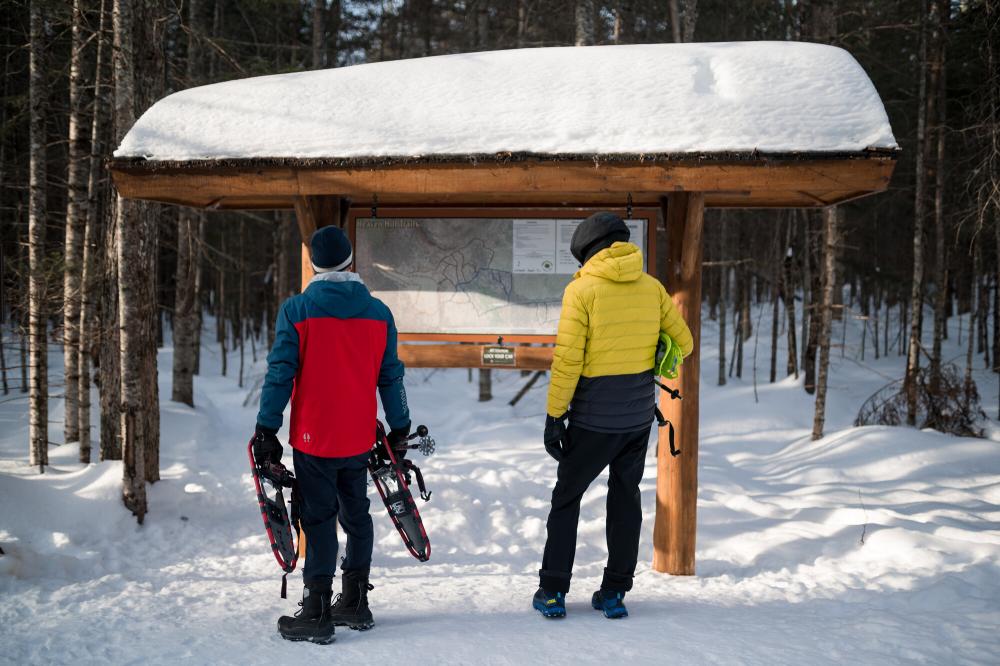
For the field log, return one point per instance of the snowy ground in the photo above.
(783, 577)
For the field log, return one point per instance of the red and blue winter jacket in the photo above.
(334, 344)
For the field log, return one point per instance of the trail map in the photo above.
(471, 275)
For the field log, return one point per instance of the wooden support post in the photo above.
(313, 212)
(677, 478)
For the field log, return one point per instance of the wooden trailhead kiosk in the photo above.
(524, 143)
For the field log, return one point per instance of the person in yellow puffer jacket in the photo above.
(602, 380)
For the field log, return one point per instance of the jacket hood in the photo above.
(622, 262)
(338, 294)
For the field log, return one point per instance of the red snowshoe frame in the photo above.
(280, 530)
(385, 469)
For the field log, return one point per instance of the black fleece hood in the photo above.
(597, 232)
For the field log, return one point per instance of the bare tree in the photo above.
(76, 212)
(89, 259)
(38, 420)
(319, 34)
(186, 320)
(788, 296)
(831, 233)
(584, 22)
(128, 220)
(683, 17)
(925, 114)
(940, 269)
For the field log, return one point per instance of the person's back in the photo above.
(338, 335)
(613, 313)
(334, 345)
(602, 380)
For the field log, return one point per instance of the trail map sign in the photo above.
(469, 275)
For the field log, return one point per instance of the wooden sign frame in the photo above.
(649, 213)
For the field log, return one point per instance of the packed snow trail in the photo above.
(783, 577)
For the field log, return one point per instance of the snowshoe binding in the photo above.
(390, 471)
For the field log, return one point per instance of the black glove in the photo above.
(266, 447)
(397, 438)
(555, 436)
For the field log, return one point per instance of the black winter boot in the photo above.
(351, 606)
(313, 622)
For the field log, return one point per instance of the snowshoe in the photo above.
(269, 479)
(551, 605)
(391, 475)
(313, 621)
(350, 608)
(610, 603)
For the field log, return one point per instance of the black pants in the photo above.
(587, 454)
(332, 489)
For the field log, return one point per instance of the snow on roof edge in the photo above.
(148, 164)
(674, 99)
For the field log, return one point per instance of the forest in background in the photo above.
(102, 278)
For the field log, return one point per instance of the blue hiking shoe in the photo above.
(610, 603)
(549, 605)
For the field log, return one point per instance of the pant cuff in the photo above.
(321, 583)
(554, 581)
(616, 582)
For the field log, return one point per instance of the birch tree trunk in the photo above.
(110, 355)
(925, 112)
(185, 289)
(831, 224)
(89, 260)
(723, 297)
(584, 21)
(319, 34)
(522, 22)
(38, 419)
(185, 317)
(76, 212)
(775, 312)
(241, 300)
(788, 296)
(683, 17)
(940, 269)
(198, 308)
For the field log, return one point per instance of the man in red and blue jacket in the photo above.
(334, 345)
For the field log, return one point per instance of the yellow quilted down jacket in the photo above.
(612, 315)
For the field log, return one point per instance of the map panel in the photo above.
(471, 275)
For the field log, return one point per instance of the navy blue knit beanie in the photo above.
(331, 249)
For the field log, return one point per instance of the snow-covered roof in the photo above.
(769, 97)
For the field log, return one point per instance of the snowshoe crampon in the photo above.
(391, 474)
(269, 481)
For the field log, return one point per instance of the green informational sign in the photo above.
(499, 356)
(471, 275)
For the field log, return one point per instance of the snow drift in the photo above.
(874, 545)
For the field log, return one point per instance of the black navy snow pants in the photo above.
(587, 453)
(332, 489)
